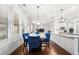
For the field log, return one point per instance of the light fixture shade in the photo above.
(38, 22)
(63, 20)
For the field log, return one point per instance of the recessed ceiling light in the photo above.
(63, 14)
(73, 7)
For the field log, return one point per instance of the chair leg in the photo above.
(25, 45)
(48, 45)
(41, 46)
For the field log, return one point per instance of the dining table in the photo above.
(42, 35)
(33, 35)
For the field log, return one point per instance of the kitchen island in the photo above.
(69, 42)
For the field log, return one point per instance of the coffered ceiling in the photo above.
(51, 12)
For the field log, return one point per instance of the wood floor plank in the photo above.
(54, 50)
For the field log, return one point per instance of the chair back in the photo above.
(47, 36)
(34, 42)
(36, 32)
(24, 36)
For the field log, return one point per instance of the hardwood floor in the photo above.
(54, 50)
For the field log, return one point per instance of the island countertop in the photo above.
(69, 35)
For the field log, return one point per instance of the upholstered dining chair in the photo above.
(46, 40)
(36, 32)
(34, 42)
(25, 39)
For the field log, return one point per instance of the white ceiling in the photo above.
(50, 12)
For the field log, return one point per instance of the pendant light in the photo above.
(38, 21)
(62, 18)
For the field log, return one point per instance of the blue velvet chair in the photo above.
(25, 38)
(47, 39)
(34, 42)
(36, 32)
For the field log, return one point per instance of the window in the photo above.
(3, 23)
(22, 28)
(16, 23)
(3, 28)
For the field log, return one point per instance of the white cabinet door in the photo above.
(65, 42)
